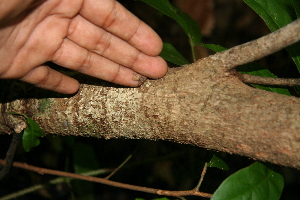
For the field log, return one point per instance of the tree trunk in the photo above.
(203, 104)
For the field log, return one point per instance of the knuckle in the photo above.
(73, 26)
(135, 30)
(135, 59)
(41, 77)
(115, 76)
(103, 43)
(48, 80)
(112, 16)
(87, 63)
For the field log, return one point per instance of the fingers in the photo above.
(47, 78)
(113, 17)
(77, 58)
(103, 43)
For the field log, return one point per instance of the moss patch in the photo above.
(44, 104)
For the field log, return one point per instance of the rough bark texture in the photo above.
(202, 104)
(198, 104)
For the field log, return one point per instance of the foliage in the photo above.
(31, 134)
(277, 14)
(218, 163)
(253, 182)
(169, 53)
(190, 26)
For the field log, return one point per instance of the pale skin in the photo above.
(95, 37)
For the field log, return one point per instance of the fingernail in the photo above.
(139, 78)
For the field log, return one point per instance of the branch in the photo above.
(248, 78)
(201, 177)
(109, 182)
(201, 104)
(261, 47)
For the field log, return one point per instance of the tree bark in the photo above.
(203, 104)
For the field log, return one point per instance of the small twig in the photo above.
(119, 167)
(202, 177)
(248, 78)
(109, 182)
(17, 138)
(259, 48)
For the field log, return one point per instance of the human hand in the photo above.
(99, 38)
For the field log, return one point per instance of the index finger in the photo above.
(113, 17)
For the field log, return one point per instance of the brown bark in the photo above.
(203, 104)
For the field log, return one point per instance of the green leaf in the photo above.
(31, 134)
(189, 25)
(254, 182)
(213, 47)
(274, 14)
(263, 14)
(169, 53)
(296, 4)
(218, 163)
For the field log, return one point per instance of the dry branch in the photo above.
(248, 78)
(109, 182)
(261, 47)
